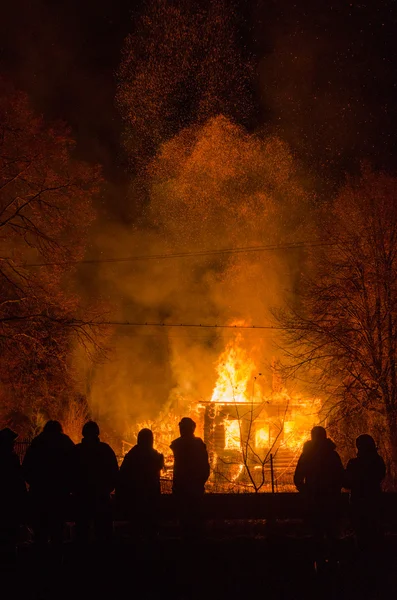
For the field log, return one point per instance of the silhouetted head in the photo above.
(52, 427)
(145, 438)
(187, 426)
(318, 434)
(7, 438)
(90, 430)
(365, 444)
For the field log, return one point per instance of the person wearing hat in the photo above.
(95, 470)
(12, 491)
(364, 476)
(191, 471)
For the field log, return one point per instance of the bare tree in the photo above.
(342, 330)
(45, 212)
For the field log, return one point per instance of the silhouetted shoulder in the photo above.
(159, 459)
(176, 443)
(307, 447)
(106, 448)
(67, 441)
(200, 442)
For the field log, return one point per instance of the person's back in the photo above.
(191, 467)
(138, 490)
(12, 488)
(47, 462)
(191, 471)
(319, 472)
(95, 469)
(95, 472)
(319, 477)
(47, 470)
(140, 470)
(365, 473)
(364, 476)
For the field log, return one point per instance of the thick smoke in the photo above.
(211, 186)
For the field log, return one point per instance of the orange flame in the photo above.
(235, 372)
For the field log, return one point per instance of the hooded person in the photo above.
(12, 489)
(138, 488)
(47, 470)
(364, 476)
(191, 471)
(95, 472)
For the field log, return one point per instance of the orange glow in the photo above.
(232, 434)
(262, 437)
(241, 424)
(235, 372)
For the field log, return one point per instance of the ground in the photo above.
(235, 560)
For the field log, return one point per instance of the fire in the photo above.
(232, 434)
(262, 438)
(254, 423)
(235, 371)
(242, 423)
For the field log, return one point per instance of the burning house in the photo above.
(243, 426)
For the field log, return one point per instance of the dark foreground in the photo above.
(249, 559)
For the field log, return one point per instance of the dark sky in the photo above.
(325, 73)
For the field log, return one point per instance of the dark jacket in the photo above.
(140, 473)
(95, 469)
(12, 487)
(191, 466)
(47, 464)
(364, 476)
(319, 472)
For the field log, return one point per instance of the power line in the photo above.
(178, 325)
(242, 250)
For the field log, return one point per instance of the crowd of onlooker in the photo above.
(58, 480)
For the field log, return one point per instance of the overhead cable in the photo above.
(164, 256)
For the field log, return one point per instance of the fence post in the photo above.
(272, 472)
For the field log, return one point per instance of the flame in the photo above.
(268, 423)
(262, 437)
(235, 372)
(232, 434)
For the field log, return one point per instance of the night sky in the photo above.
(324, 76)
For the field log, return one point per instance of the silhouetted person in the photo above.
(95, 477)
(364, 476)
(138, 488)
(191, 471)
(47, 470)
(12, 491)
(319, 477)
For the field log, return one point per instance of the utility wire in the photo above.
(242, 250)
(196, 325)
